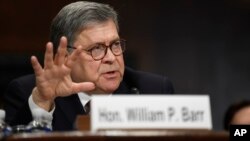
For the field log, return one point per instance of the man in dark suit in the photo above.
(88, 60)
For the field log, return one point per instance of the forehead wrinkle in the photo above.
(83, 38)
(101, 33)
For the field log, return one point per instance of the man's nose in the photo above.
(109, 56)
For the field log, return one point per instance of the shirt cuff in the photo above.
(32, 106)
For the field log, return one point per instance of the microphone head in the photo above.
(134, 90)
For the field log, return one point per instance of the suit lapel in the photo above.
(127, 85)
(122, 89)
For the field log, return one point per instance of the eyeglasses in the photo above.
(98, 51)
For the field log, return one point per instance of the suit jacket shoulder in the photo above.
(145, 83)
(16, 100)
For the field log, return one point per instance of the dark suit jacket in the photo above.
(67, 108)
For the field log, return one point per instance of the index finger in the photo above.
(73, 56)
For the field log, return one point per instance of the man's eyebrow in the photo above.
(103, 43)
(114, 40)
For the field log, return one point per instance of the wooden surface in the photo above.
(154, 135)
(83, 123)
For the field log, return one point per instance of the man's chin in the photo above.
(109, 88)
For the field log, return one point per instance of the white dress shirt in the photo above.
(84, 98)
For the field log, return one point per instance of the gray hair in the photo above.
(77, 16)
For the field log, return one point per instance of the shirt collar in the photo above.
(84, 98)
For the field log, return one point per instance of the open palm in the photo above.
(54, 79)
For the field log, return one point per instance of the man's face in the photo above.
(106, 73)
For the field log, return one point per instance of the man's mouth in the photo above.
(110, 74)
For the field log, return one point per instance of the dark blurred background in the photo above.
(201, 45)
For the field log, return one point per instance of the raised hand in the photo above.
(54, 79)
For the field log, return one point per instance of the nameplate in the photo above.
(150, 112)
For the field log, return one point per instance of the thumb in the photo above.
(83, 87)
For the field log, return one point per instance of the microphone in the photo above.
(134, 90)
